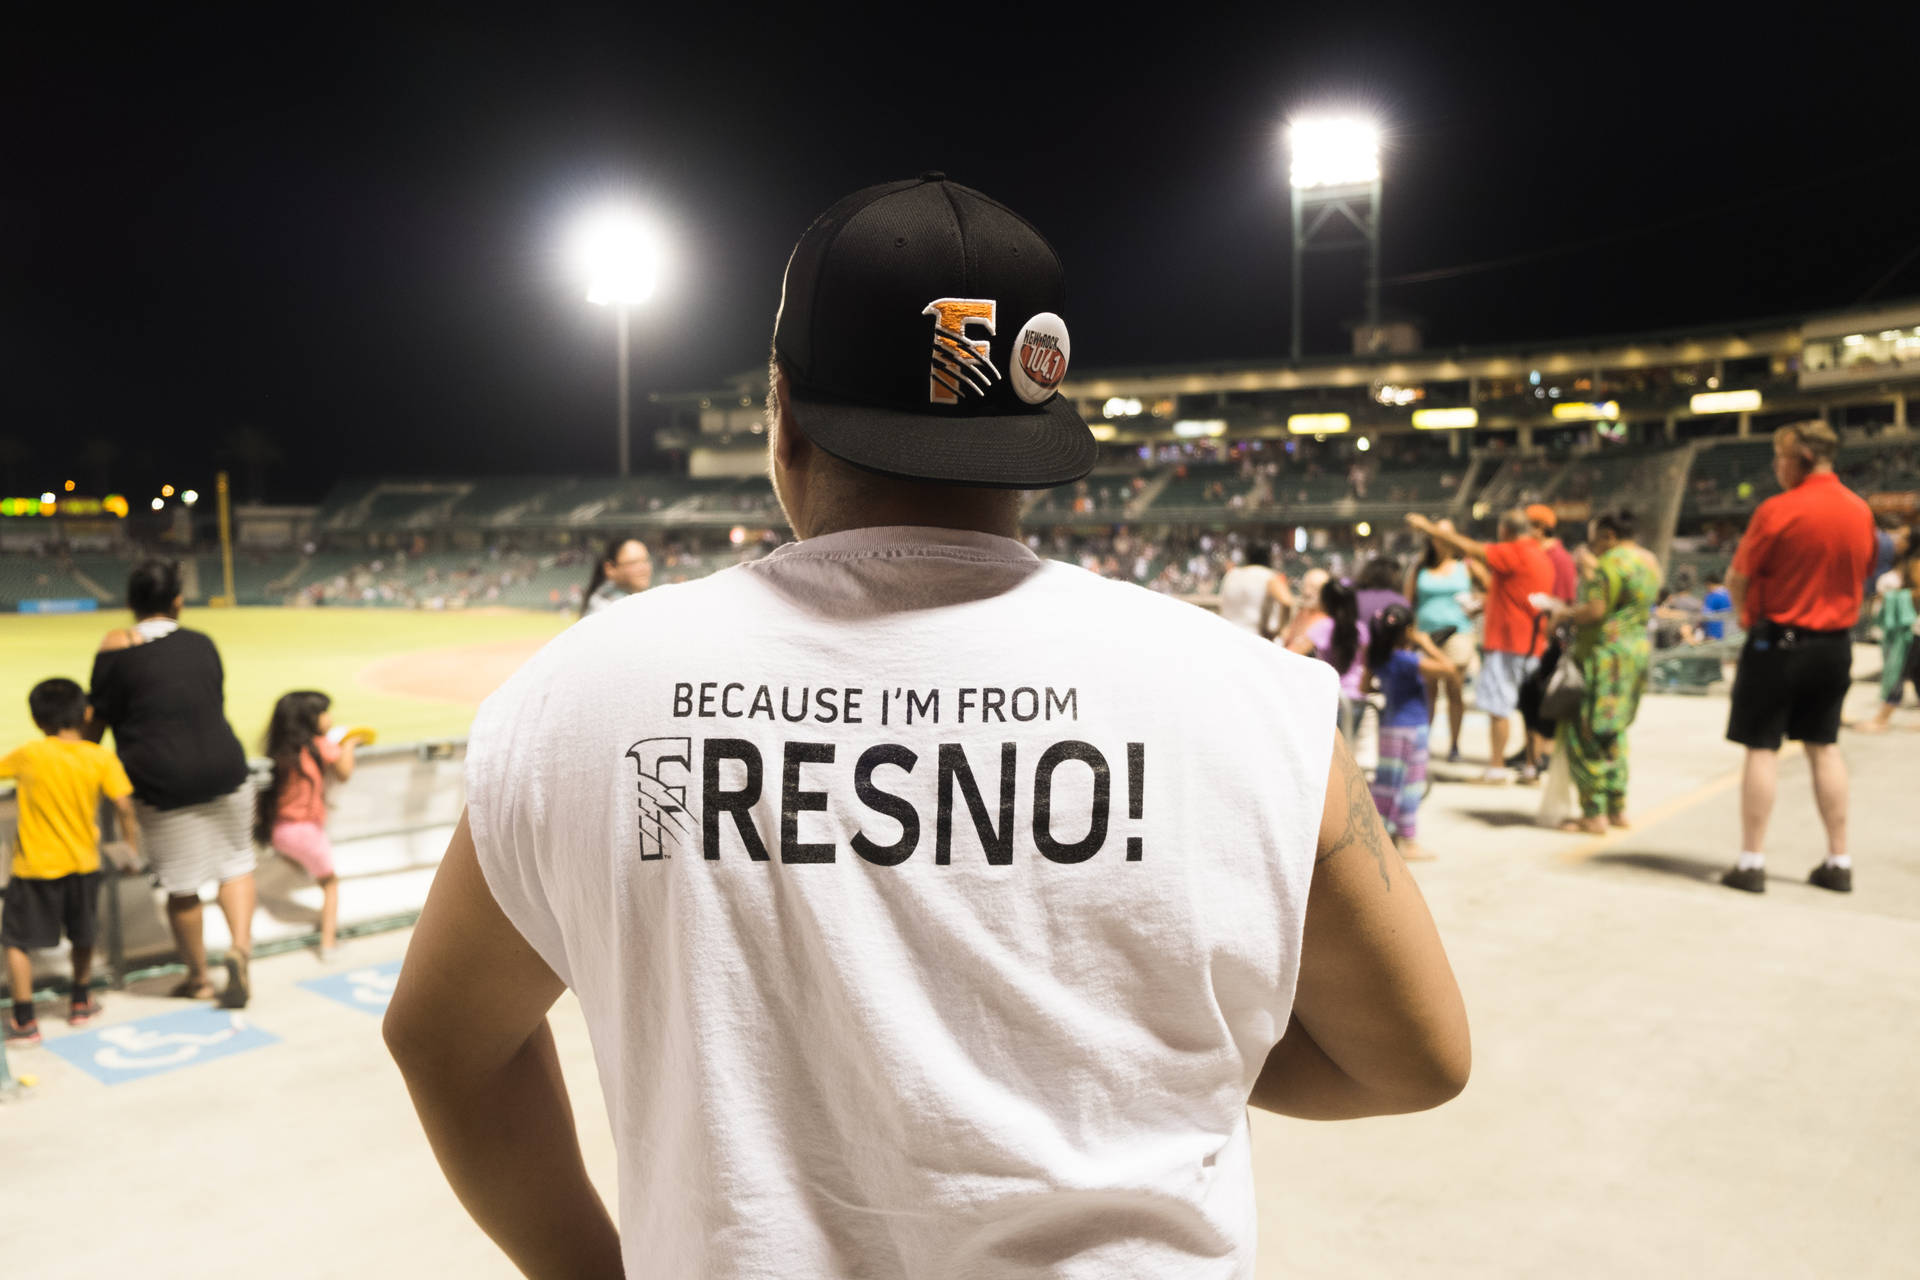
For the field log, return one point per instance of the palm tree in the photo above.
(256, 451)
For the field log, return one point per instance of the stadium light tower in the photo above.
(619, 257)
(1333, 167)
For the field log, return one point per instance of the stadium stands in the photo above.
(32, 577)
(527, 542)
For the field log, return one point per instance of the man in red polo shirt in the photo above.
(1517, 569)
(1796, 583)
(1566, 579)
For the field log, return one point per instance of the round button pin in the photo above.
(1041, 349)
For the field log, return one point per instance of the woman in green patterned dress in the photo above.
(1620, 581)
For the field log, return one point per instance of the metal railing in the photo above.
(384, 821)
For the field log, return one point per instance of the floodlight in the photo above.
(158, 503)
(46, 499)
(1194, 427)
(1333, 151)
(166, 491)
(190, 497)
(1725, 402)
(1363, 444)
(1121, 407)
(1318, 424)
(1103, 431)
(1584, 411)
(618, 254)
(1445, 419)
(69, 486)
(1364, 529)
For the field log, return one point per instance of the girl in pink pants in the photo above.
(292, 814)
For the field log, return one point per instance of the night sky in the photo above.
(345, 234)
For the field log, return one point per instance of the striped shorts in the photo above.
(211, 841)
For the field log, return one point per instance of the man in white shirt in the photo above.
(1252, 596)
(914, 933)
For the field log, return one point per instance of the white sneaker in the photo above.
(1497, 777)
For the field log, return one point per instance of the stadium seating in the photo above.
(1306, 489)
(1735, 475)
(487, 501)
(37, 578)
(1205, 484)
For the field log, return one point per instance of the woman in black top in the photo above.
(162, 691)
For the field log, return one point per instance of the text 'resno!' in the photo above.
(717, 791)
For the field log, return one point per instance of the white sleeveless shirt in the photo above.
(1243, 595)
(932, 907)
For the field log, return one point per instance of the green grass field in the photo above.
(270, 651)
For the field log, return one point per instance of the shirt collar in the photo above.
(967, 544)
(156, 627)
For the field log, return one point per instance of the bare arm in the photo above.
(1279, 592)
(129, 824)
(1432, 661)
(1737, 584)
(342, 766)
(468, 1029)
(1460, 542)
(1378, 1026)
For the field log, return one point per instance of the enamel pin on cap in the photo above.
(1041, 351)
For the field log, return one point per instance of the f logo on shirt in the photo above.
(665, 765)
(962, 364)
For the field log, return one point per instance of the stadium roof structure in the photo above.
(1795, 364)
(1690, 342)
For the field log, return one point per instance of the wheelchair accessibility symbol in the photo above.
(156, 1045)
(367, 989)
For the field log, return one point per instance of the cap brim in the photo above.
(1038, 450)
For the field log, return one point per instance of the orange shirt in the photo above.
(1806, 555)
(304, 797)
(1520, 568)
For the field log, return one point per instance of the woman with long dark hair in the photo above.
(1439, 588)
(292, 814)
(1340, 639)
(625, 569)
(161, 689)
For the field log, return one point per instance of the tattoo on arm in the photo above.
(1360, 821)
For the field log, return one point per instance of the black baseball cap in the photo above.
(920, 327)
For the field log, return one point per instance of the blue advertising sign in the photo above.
(86, 604)
(162, 1043)
(367, 989)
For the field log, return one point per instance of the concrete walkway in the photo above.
(1670, 1078)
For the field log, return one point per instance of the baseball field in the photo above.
(409, 674)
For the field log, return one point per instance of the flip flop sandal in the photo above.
(235, 995)
(189, 991)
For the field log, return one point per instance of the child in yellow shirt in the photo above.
(56, 878)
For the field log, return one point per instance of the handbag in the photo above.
(1565, 691)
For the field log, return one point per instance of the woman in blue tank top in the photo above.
(1438, 587)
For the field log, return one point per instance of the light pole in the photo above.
(1334, 166)
(619, 258)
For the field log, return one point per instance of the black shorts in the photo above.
(36, 911)
(1791, 684)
